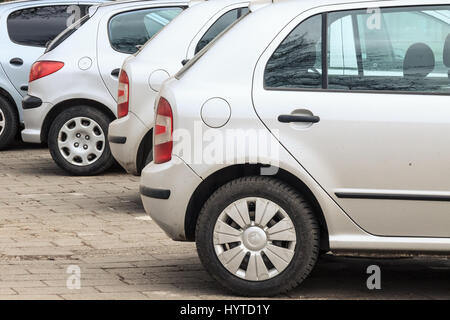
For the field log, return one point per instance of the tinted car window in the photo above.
(297, 62)
(398, 50)
(36, 26)
(129, 30)
(220, 25)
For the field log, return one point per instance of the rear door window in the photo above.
(404, 49)
(220, 25)
(297, 62)
(129, 30)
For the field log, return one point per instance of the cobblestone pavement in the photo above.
(49, 221)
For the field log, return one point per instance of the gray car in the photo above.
(73, 87)
(26, 27)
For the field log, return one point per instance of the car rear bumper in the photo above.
(166, 190)
(125, 136)
(33, 119)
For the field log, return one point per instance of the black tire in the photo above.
(103, 163)
(11, 120)
(300, 212)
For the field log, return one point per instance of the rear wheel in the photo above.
(257, 236)
(9, 123)
(77, 141)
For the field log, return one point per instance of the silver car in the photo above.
(72, 94)
(26, 27)
(130, 136)
(325, 129)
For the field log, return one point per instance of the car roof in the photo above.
(309, 4)
(253, 41)
(128, 2)
(24, 3)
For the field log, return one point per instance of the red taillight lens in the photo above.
(123, 96)
(163, 142)
(41, 69)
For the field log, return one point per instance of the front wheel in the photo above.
(77, 141)
(257, 237)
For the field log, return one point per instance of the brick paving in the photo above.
(49, 221)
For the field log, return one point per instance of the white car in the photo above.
(326, 129)
(130, 136)
(72, 94)
(26, 27)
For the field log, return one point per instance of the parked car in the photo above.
(73, 87)
(352, 98)
(130, 136)
(26, 28)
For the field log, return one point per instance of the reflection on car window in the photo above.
(297, 62)
(129, 30)
(401, 49)
(36, 26)
(220, 25)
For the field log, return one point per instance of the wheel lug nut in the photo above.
(85, 147)
(76, 144)
(78, 135)
(87, 137)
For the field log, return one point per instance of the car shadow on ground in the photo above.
(334, 277)
(44, 165)
(343, 277)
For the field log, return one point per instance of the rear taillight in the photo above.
(163, 142)
(42, 69)
(123, 96)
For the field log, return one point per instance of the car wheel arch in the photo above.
(5, 94)
(144, 150)
(219, 178)
(58, 108)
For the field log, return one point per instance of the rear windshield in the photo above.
(67, 33)
(205, 49)
(38, 25)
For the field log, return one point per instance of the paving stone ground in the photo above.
(50, 221)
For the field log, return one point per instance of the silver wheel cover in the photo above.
(2, 122)
(254, 239)
(81, 141)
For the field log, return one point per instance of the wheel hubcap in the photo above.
(81, 141)
(2, 122)
(254, 239)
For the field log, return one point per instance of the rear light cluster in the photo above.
(123, 96)
(163, 134)
(42, 69)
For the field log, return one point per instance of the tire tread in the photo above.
(289, 192)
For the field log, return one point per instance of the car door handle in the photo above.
(288, 118)
(16, 61)
(115, 72)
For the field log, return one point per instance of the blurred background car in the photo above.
(26, 27)
(72, 94)
(142, 75)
